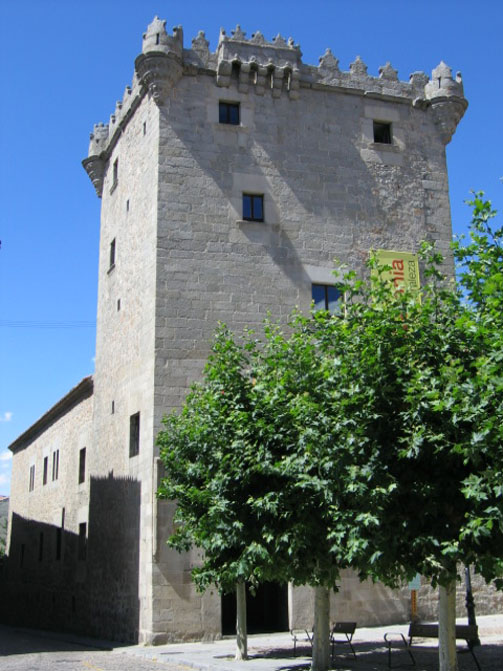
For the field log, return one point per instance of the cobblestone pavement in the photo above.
(25, 650)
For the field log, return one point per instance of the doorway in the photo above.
(266, 611)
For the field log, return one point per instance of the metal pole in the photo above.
(470, 603)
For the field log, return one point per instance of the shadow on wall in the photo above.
(84, 582)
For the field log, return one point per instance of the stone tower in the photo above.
(229, 180)
(336, 162)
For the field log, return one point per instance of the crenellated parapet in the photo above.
(261, 67)
(260, 64)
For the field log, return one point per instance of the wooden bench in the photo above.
(346, 629)
(466, 632)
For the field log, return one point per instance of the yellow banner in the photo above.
(404, 269)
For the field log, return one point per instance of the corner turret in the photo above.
(159, 66)
(95, 163)
(447, 100)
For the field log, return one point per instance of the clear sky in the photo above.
(64, 65)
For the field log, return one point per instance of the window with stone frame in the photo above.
(82, 465)
(253, 207)
(134, 435)
(326, 297)
(382, 132)
(82, 551)
(32, 478)
(229, 113)
(55, 465)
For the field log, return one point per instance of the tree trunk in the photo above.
(241, 635)
(321, 641)
(447, 657)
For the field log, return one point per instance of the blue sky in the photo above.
(65, 63)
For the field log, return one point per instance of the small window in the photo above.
(144, 128)
(59, 536)
(82, 465)
(228, 113)
(115, 173)
(55, 465)
(46, 469)
(253, 207)
(112, 255)
(118, 304)
(326, 297)
(113, 407)
(32, 478)
(82, 541)
(134, 435)
(382, 132)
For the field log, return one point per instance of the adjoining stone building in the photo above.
(229, 182)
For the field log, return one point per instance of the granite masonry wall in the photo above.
(177, 256)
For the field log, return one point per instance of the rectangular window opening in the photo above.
(134, 435)
(82, 541)
(55, 465)
(82, 465)
(32, 478)
(46, 469)
(112, 255)
(228, 113)
(326, 297)
(253, 207)
(382, 132)
(59, 536)
(115, 173)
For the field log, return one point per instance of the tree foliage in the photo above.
(370, 439)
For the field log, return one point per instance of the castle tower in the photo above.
(229, 180)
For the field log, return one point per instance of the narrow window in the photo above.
(55, 465)
(112, 255)
(253, 207)
(41, 546)
(46, 469)
(82, 541)
(127, 205)
(113, 407)
(59, 535)
(326, 297)
(144, 128)
(382, 132)
(82, 465)
(115, 173)
(118, 304)
(32, 478)
(134, 435)
(228, 113)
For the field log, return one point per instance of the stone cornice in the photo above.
(75, 396)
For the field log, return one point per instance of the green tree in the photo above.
(370, 439)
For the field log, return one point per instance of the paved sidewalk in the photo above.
(274, 652)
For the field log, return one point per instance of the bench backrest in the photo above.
(467, 632)
(344, 628)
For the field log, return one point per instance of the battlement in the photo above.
(264, 67)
